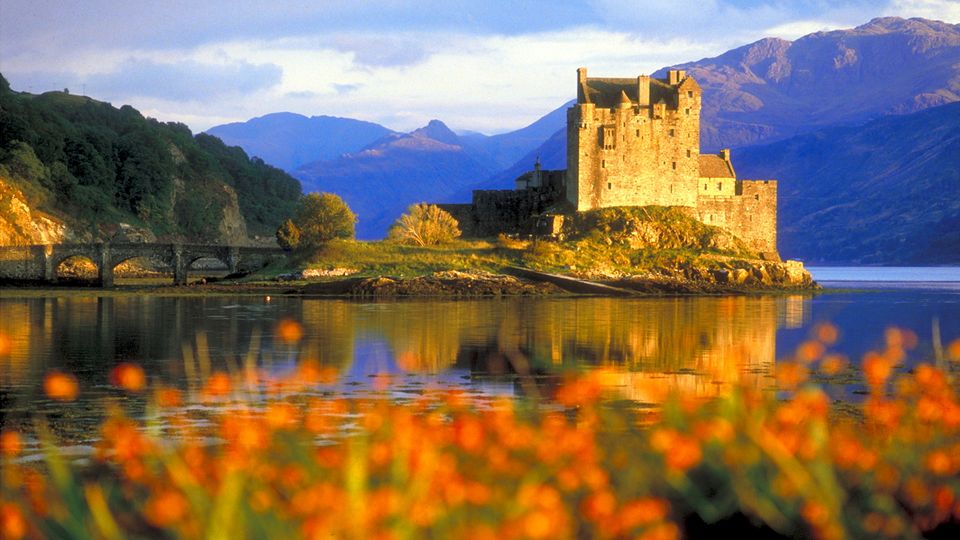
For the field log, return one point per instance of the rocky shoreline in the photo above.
(728, 277)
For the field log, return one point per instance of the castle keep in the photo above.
(632, 142)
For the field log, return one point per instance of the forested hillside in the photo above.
(94, 166)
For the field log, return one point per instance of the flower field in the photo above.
(270, 461)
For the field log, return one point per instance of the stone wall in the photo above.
(750, 214)
(463, 213)
(635, 154)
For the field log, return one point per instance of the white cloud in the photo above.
(941, 10)
(795, 29)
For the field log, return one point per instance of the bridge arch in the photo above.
(75, 266)
(40, 262)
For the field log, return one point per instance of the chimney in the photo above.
(674, 76)
(643, 91)
(582, 96)
(725, 154)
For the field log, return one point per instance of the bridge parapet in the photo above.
(39, 262)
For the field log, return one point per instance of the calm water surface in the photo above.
(698, 346)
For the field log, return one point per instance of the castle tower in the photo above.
(633, 142)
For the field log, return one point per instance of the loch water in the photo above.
(698, 346)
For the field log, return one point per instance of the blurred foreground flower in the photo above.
(60, 386)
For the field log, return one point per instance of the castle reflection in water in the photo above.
(644, 348)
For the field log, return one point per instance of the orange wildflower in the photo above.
(643, 512)
(833, 364)
(166, 508)
(876, 369)
(538, 524)
(826, 333)
(953, 350)
(599, 506)
(685, 454)
(289, 331)
(579, 391)
(809, 351)
(60, 386)
(10, 444)
(128, 376)
(469, 434)
(939, 463)
(168, 397)
(218, 385)
(884, 412)
(790, 375)
(815, 513)
(12, 523)
(663, 531)
(281, 415)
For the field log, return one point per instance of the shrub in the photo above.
(288, 235)
(425, 225)
(321, 217)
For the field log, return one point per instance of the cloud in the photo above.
(941, 10)
(187, 80)
(381, 50)
(345, 88)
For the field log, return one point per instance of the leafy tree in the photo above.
(425, 225)
(321, 217)
(87, 161)
(22, 162)
(288, 235)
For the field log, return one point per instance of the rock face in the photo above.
(232, 228)
(733, 275)
(21, 226)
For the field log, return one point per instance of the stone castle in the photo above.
(632, 142)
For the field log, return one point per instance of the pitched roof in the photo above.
(714, 166)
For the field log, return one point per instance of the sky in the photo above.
(481, 65)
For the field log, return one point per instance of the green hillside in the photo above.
(93, 165)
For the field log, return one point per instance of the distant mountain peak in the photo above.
(437, 131)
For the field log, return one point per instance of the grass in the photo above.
(582, 256)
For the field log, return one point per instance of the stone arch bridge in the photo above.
(40, 262)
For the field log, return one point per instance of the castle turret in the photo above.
(643, 91)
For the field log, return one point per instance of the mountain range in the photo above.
(884, 192)
(768, 91)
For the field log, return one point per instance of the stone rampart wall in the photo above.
(750, 214)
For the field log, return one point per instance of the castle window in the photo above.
(704, 187)
(638, 133)
(603, 163)
(689, 93)
(671, 132)
(609, 185)
(757, 197)
(688, 153)
(687, 111)
(719, 186)
(674, 164)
